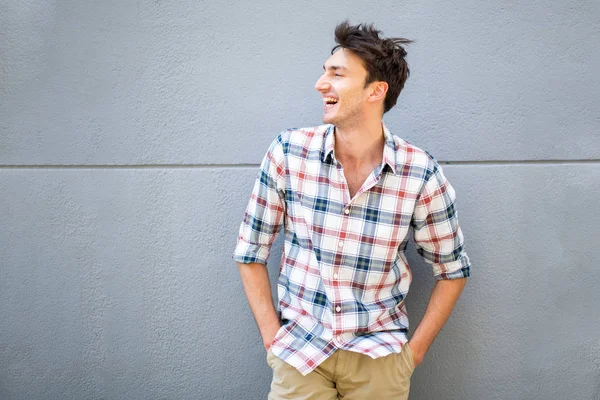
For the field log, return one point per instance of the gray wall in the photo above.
(130, 135)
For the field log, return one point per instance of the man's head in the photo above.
(364, 74)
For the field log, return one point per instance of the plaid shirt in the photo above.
(343, 275)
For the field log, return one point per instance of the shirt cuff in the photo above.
(248, 253)
(458, 269)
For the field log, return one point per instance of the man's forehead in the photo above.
(339, 58)
(343, 59)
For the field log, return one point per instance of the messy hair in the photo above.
(383, 57)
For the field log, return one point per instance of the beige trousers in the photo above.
(345, 375)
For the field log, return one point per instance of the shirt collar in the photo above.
(389, 148)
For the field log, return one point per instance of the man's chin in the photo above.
(328, 119)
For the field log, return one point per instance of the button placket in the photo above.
(338, 300)
(336, 275)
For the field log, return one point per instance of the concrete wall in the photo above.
(130, 135)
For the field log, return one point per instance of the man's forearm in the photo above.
(443, 298)
(255, 279)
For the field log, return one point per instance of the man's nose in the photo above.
(322, 84)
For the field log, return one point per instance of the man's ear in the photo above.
(378, 91)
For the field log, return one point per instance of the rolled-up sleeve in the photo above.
(437, 234)
(265, 211)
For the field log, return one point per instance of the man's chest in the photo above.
(325, 201)
(355, 178)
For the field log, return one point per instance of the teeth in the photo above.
(329, 100)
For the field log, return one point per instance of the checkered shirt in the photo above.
(343, 274)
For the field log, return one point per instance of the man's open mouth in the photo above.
(329, 101)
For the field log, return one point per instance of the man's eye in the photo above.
(338, 75)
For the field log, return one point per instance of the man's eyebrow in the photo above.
(335, 67)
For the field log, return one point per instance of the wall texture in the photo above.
(130, 135)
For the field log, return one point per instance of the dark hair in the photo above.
(383, 58)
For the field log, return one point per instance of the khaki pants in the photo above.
(345, 375)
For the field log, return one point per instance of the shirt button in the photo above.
(340, 244)
(335, 276)
(338, 309)
(346, 211)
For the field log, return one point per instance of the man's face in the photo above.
(342, 87)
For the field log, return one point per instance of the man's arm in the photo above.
(258, 290)
(443, 298)
(439, 240)
(262, 220)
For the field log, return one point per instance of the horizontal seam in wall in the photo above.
(239, 166)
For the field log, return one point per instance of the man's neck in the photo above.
(361, 144)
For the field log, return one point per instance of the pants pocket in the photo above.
(408, 356)
(269, 356)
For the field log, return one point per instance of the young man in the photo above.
(347, 194)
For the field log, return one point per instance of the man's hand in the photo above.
(443, 298)
(417, 351)
(268, 334)
(258, 291)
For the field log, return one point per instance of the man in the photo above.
(348, 193)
